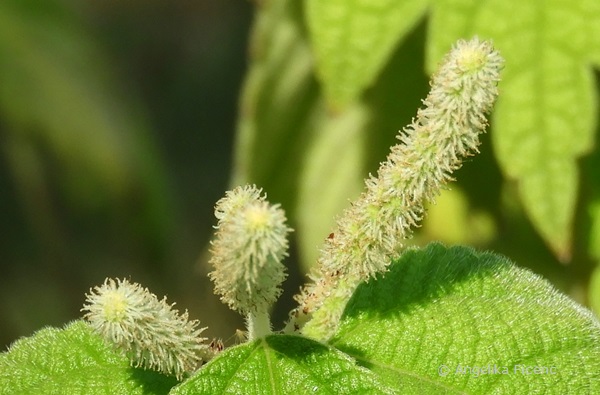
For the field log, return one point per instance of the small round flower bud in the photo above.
(249, 245)
(149, 331)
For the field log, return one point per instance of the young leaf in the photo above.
(282, 364)
(452, 320)
(353, 40)
(73, 360)
(545, 118)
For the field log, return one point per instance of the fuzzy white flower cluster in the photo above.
(249, 245)
(251, 238)
(148, 330)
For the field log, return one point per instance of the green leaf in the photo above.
(442, 315)
(282, 364)
(546, 114)
(352, 41)
(73, 360)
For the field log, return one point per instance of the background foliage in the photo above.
(116, 125)
(531, 194)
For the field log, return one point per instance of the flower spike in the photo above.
(148, 330)
(249, 245)
(370, 233)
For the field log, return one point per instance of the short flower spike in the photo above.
(149, 331)
(249, 245)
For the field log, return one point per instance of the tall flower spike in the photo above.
(370, 233)
(149, 331)
(249, 245)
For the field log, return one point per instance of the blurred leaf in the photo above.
(546, 115)
(285, 135)
(56, 94)
(452, 221)
(353, 40)
(282, 364)
(439, 311)
(332, 174)
(278, 105)
(73, 360)
(594, 242)
(543, 124)
(594, 250)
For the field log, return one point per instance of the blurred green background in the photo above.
(116, 131)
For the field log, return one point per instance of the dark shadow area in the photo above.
(297, 348)
(436, 269)
(396, 96)
(152, 382)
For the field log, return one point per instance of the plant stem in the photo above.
(258, 325)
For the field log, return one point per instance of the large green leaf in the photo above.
(282, 364)
(73, 360)
(353, 40)
(546, 114)
(442, 320)
(453, 320)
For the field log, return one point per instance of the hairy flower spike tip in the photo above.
(149, 331)
(370, 233)
(249, 245)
